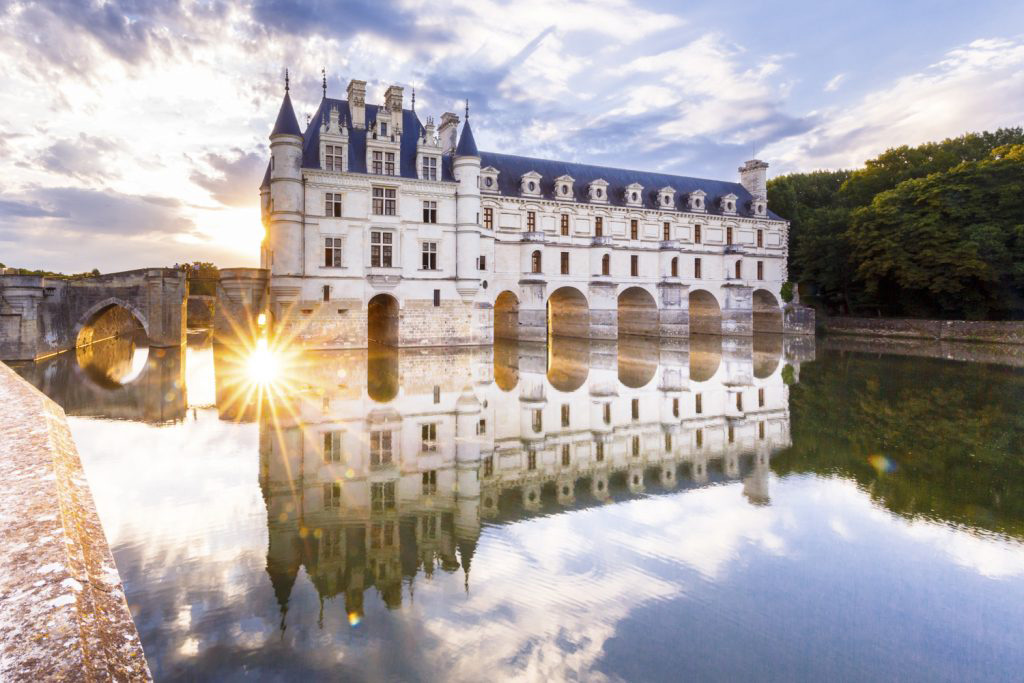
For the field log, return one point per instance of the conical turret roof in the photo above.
(467, 145)
(286, 123)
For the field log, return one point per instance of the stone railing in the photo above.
(63, 614)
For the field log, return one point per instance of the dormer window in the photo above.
(695, 201)
(728, 203)
(598, 191)
(634, 194)
(564, 187)
(530, 185)
(383, 129)
(428, 170)
(489, 179)
(666, 198)
(759, 207)
(333, 142)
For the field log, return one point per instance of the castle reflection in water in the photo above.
(378, 465)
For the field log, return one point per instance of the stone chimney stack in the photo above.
(357, 103)
(393, 98)
(448, 132)
(754, 177)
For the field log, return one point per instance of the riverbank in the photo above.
(63, 614)
(1008, 332)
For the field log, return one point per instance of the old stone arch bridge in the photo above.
(40, 316)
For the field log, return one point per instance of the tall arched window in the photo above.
(675, 267)
(535, 265)
(739, 269)
(606, 265)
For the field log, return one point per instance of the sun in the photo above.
(238, 230)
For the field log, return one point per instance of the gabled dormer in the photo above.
(529, 184)
(383, 149)
(597, 191)
(666, 198)
(428, 153)
(563, 188)
(634, 195)
(333, 142)
(695, 201)
(759, 207)
(489, 179)
(727, 203)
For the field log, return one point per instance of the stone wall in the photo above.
(947, 330)
(200, 311)
(63, 614)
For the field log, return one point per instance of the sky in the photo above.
(135, 131)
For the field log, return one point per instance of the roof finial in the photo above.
(467, 109)
(286, 80)
(414, 99)
(323, 72)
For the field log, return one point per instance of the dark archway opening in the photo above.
(112, 347)
(568, 363)
(568, 314)
(506, 316)
(767, 312)
(705, 356)
(382, 372)
(637, 313)
(382, 320)
(705, 313)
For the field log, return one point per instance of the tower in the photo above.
(284, 234)
(466, 168)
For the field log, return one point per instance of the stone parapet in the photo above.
(63, 614)
(999, 332)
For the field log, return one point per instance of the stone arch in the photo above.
(705, 356)
(108, 344)
(637, 361)
(94, 313)
(568, 314)
(637, 312)
(705, 313)
(567, 363)
(767, 312)
(506, 316)
(382, 320)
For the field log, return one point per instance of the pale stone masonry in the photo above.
(380, 227)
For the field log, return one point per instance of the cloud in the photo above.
(976, 87)
(834, 82)
(84, 158)
(338, 21)
(235, 178)
(19, 209)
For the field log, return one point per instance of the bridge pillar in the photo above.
(241, 298)
(737, 309)
(167, 294)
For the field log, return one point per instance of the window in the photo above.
(700, 437)
(430, 168)
(384, 201)
(430, 483)
(666, 231)
(535, 265)
(381, 536)
(760, 430)
(606, 265)
(696, 234)
(332, 252)
(428, 437)
(489, 218)
(531, 221)
(538, 421)
(739, 402)
(698, 404)
(482, 262)
(634, 229)
(429, 212)
(389, 163)
(760, 397)
(332, 496)
(531, 460)
(327, 292)
(437, 300)
(332, 204)
(728, 235)
(565, 263)
(565, 415)
(739, 269)
(635, 406)
(489, 466)
(760, 238)
(565, 224)
(382, 497)
(607, 413)
(332, 446)
(380, 448)
(732, 434)
(429, 255)
(636, 447)
(675, 266)
(634, 265)
(437, 389)
(481, 427)
(332, 158)
(598, 226)
(565, 455)
(378, 163)
(696, 268)
(675, 407)
(330, 544)
(383, 129)
(760, 270)
(380, 248)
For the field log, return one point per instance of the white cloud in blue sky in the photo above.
(160, 110)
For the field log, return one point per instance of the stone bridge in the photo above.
(40, 316)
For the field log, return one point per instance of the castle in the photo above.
(382, 229)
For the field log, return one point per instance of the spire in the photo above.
(286, 81)
(323, 73)
(467, 110)
(467, 145)
(286, 123)
(414, 99)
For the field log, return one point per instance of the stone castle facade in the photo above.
(382, 228)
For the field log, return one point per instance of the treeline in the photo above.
(49, 273)
(929, 231)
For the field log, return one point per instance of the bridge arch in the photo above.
(108, 316)
(767, 312)
(568, 365)
(637, 312)
(568, 313)
(506, 316)
(382, 320)
(705, 313)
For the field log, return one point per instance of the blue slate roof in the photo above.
(467, 145)
(286, 123)
(511, 168)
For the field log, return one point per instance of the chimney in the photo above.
(448, 132)
(393, 98)
(754, 177)
(357, 103)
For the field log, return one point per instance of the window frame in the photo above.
(334, 252)
(382, 248)
(428, 255)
